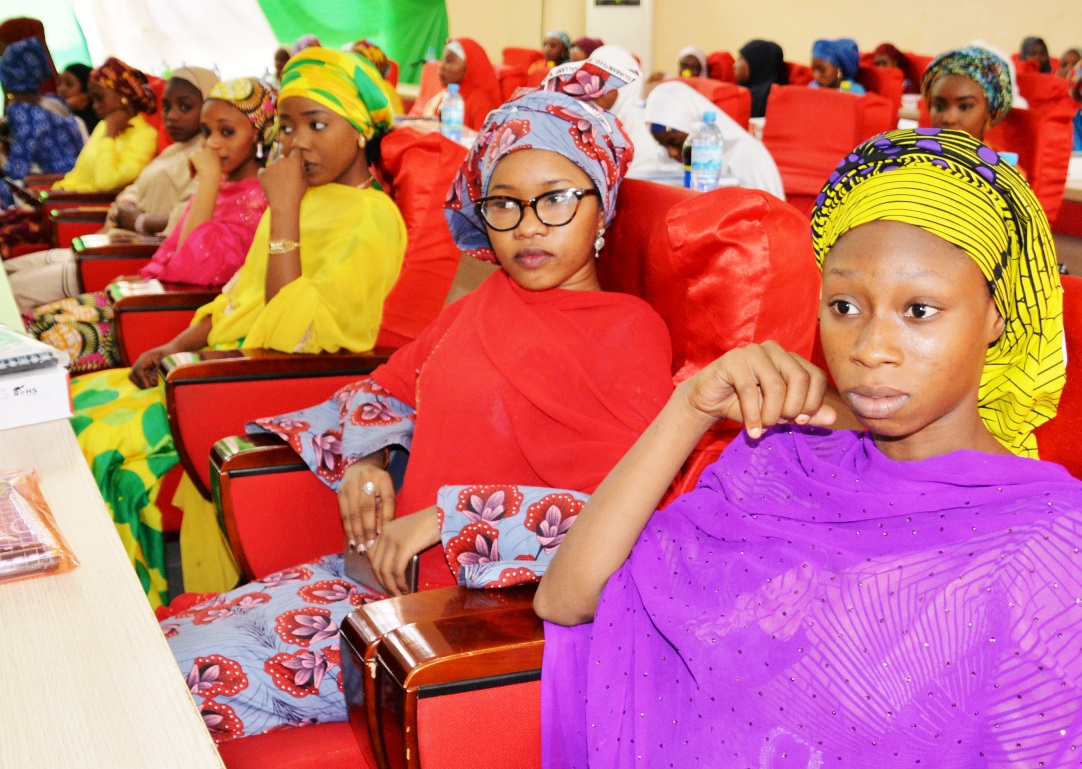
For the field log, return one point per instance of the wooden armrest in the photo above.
(114, 245)
(42, 180)
(262, 452)
(435, 642)
(257, 363)
(79, 214)
(226, 388)
(71, 197)
(177, 296)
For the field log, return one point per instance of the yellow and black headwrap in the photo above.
(342, 82)
(956, 188)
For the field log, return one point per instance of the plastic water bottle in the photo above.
(706, 153)
(452, 111)
(430, 54)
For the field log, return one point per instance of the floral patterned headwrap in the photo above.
(989, 71)
(25, 66)
(129, 82)
(342, 82)
(256, 100)
(373, 53)
(585, 134)
(949, 184)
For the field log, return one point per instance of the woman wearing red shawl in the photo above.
(465, 62)
(905, 596)
(535, 380)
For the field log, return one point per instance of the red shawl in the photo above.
(512, 386)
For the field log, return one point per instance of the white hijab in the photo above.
(649, 155)
(680, 107)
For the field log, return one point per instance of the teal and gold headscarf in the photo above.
(949, 184)
(342, 82)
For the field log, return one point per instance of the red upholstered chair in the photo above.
(1057, 439)
(719, 65)
(888, 82)
(59, 226)
(392, 72)
(808, 130)
(511, 78)
(521, 57)
(732, 99)
(723, 269)
(919, 61)
(799, 74)
(101, 258)
(430, 85)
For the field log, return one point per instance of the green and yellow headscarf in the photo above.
(343, 83)
(949, 184)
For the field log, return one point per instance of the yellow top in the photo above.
(352, 245)
(108, 164)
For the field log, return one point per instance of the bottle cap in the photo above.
(452, 88)
(710, 116)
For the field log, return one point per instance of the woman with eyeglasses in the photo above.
(536, 380)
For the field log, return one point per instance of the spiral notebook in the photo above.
(33, 381)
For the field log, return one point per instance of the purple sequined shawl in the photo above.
(813, 603)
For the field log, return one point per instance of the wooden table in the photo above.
(86, 677)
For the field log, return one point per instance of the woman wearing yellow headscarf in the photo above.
(901, 595)
(324, 257)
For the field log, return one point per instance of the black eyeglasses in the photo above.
(554, 208)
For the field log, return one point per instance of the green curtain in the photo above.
(62, 31)
(404, 29)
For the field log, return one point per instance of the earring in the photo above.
(599, 242)
(361, 141)
(124, 100)
(259, 151)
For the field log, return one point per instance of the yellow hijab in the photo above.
(956, 188)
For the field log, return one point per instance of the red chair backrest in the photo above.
(808, 130)
(919, 61)
(157, 85)
(799, 74)
(690, 255)
(1057, 439)
(888, 82)
(521, 57)
(511, 77)
(418, 170)
(430, 86)
(392, 72)
(732, 99)
(720, 66)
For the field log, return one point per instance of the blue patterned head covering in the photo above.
(25, 66)
(842, 53)
(989, 71)
(585, 134)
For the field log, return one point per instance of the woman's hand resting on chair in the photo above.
(370, 526)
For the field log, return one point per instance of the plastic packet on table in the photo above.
(30, 543)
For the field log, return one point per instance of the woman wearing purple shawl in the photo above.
(905, 596)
